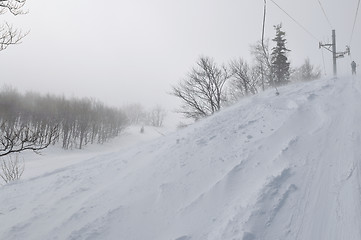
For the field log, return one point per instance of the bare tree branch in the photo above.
(15, 139)
(10, 36)
(14, 6)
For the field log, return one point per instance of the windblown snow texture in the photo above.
(270, 167)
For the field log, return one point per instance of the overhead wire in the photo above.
(297, 22)
(263, 46)
(354, 22)
(324, 13)
(328, 20)
(305, 29)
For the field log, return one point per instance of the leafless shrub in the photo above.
(11, 169)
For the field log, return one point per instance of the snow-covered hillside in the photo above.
(270, 167)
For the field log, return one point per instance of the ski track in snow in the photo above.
(270, 167)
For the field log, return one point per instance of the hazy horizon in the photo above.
(134, 51)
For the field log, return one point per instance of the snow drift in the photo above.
(270, 167)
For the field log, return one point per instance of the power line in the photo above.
(324, 13)
(299, 24)
(354, 22)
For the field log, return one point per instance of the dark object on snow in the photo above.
(142, 129)
(353, 67)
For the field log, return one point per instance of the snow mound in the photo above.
(270, 167)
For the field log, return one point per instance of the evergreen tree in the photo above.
(280, 67)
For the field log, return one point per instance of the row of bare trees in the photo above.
(31, 121)
(210, 86)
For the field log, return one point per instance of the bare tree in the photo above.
(244, 79)
(262, 59)
(15, 138)
(135, 113)
(202, 92)
(8, 34)
(156, 116)
(306, 72)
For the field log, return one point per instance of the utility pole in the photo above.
(334, 57)
(263, 47)
(264, 50)
(332, 48)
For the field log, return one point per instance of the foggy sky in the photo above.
(126, 51)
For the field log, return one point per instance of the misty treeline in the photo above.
(209, 86)
(31, 121)
(138, 115)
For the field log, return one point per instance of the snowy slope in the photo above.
(270, 167)
(55, 157)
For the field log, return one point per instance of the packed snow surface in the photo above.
(270, 167)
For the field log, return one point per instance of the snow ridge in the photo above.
(270, 167)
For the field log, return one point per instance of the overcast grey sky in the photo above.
(125, 51)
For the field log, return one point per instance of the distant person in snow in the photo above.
(353, 67)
